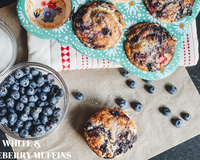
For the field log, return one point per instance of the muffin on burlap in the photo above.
(149, 46)
(170, 10)
(110, 133)
(98, 24)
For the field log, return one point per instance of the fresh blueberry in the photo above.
(19, 123)
(11, 79)
(46, 88)
(125, 74)
(27, 110)
(32, 84)
(10, 102)
(165, 111)
(33, 134)
(53, 100)
(50, 126)
(44, 119)
(3, 111)
(30, 76)
(15, 87)
(16, 82)
(24, 117)
(15, 130)
(19, 74)
(22, 90)
(24, 82)
(26, 70)
(43, 96)
(146, 81)
(19, 106)
(122, 103)
(138, 107)
(59, 94)
(171, 89)
(31, 104)
(33, 98)
(40, 80)
(40, 103)
(10, 125)
(27, 124)
(12, 118)
(35, 115)
(79, 96)
(53, 106)
(54, 89)
(30, 118)
(51, 82)
(23, 133)
(6, 85)
(186, 116)
(3, 120)
(36, 122)
(15, 95)
(47, 111)
(30, 91)
(150, 89)
(57, 112)
(24, 99)
(34, 71)
(2, 104)
(54, 119)
(3, 91)
(39, 129)
(132, 84)
(11, 110)
(178, 123)
(46, 103)
(38, 90)
(48, 77)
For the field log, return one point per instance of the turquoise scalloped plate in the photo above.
(133, 13)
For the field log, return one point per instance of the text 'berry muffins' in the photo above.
(98, 24)
(170, 10)
(149, 46)
(110, 133)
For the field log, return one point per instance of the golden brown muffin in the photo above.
(98, 24)
(149, 46)
(170, 10)
(110, 133)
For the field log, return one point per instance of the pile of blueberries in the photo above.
(28, 102)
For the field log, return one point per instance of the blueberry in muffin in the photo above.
(171, 10)
(110, 133)
(149, 46)
(98, 24)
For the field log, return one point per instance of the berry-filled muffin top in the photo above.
(98, 24)
(149, 46)
(170, 10)
(110, 133)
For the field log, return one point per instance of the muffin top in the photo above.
(110, 133)
(149, 46)
(170, 10)
(98, 24)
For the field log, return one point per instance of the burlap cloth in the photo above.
(100, 89)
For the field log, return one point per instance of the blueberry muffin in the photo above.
(149, 46)
(98, 24)
(171, 10)
(110, 133)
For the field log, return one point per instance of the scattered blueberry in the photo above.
(19, 74)
(3, 91)
(59, 94)
(46, 103)
(22, 90)
(47, 111)
(43, 96)
(46, 88)
(11, 110)
(27, 110)
(79, 96)
(35, 115)
(3, 120)
(53, 106)
(15, 87)
(30, 91)
(48, 77)
(15, 130)
(15, 95)
(150, 89)
(24, 99)
(26, 70)
(138, 107)
(51, 82)
(125, 74)
(33, 134)
(38, 90)
(50, 126)
(30, 118)
(6, 85)
(186, 116)
(146, 81)
(12, 118)
(53, 100)
(19, 106)
(178, 123)
(165, 111)
(24, 117)
(31, 104)
(19, 123)
(132, 84)
(27, 124)
(23, 133)
(44, 119)
(171, 89)
(33, 98)
(3, 111)
(30, 76)
(24, 82)
(10, 102)
(122, 103)
(2, 104)
(36, 122)
(40, 80)
(39, 129)
(34, 71)
(32, 84)
(16, 82)
(54, 119)
(57, 112)
(54, 89)
(11, 79)
(40, 103)
(10, 124)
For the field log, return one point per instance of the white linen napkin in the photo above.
(61, 57)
